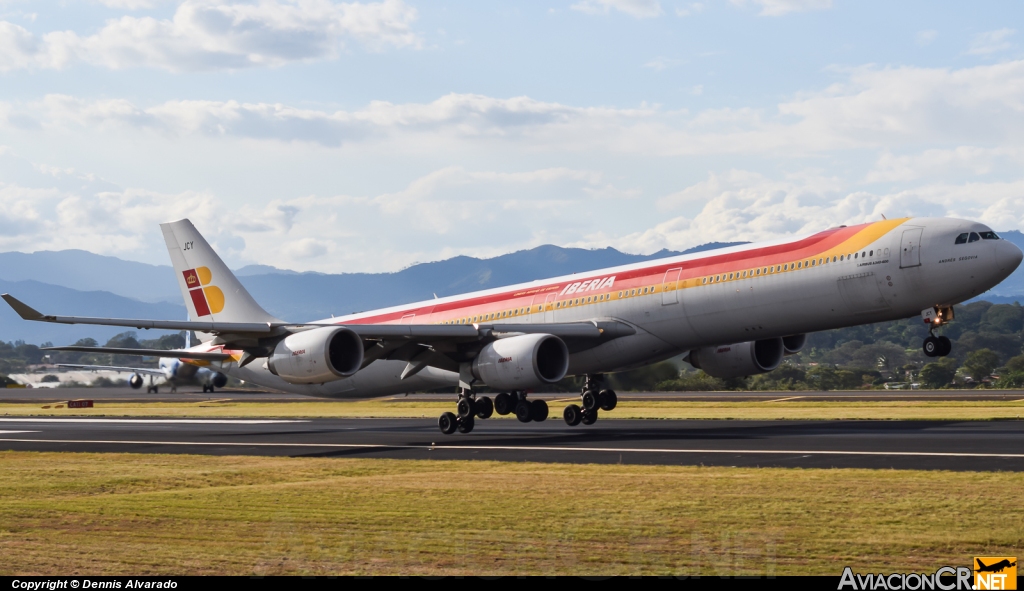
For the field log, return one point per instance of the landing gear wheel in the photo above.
(945, 346)
(503, 404)
(523, 412)
(206, 389)
(589, 417)
(447, 422)
(590, 401)
(607, 399)
(538, 410)
(484, 408)
(465, 407)
(572, 414)
(466, 425)
(931, 347)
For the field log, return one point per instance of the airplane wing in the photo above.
(173, 353)
(138, 370)
(586, 329)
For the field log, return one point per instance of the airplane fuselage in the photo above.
(840, 277)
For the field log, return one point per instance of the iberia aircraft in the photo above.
(731, 312)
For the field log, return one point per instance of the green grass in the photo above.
(93, 514)
(759, 410)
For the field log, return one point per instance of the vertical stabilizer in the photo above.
(211, 290)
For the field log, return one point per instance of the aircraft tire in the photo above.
(945, 346)
(590, 401)
(466, 408)
(538, 410)
(447, 422)
(607, 399)
(484, 407)
(589, 417)
(523, 412)
(572, 414)
(205, 389)
(466, 425)
(931, 347)
(503, 404)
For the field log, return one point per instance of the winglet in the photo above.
(24, 310)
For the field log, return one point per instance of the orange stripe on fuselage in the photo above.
(832, 242)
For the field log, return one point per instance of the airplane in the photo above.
(994, 568)
(730, 312)
(172, 370)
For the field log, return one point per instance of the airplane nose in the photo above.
(1010, 257)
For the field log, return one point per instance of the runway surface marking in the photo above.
(153, 421)
(533, 448)
(13, 432)
(783, 399)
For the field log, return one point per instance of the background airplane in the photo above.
(731, 312)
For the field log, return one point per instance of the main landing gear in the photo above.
(594, 396)
(471, 407)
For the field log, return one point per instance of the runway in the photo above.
(194, 394)
(930, 445)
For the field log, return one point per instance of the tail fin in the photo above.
(211, 290)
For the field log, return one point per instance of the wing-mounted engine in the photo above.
(794, 343)
(743, 359)
(317, 356)
(219, 380)
(135, 381)
(522, 362)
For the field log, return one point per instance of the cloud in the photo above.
(991, 42)
(208, 35)
(925, 37)
(661, 63)
(781, 7)
(689, 10)
(634, 8)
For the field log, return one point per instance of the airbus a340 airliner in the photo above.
(731, 312)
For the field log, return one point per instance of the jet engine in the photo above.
(521, 362)
(794, 343)
(743, 359)
(135, 381)
(317, 356)
(219, 380)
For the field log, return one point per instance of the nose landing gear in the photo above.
(593, 398)
(937, 346)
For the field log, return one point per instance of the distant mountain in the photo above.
(85, 271)
(57, 299)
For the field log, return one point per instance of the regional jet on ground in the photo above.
(731, 312)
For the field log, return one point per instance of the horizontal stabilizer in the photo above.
(173, 354)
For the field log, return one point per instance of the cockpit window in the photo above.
(962, 239)
(989, 236)
(974, 237)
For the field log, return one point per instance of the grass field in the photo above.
(771, 410)
(180, 514)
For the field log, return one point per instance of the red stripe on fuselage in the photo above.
(641, 277)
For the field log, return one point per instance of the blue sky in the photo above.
(328, 136)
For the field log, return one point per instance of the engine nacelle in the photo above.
(522, 362)
(317, 356)
(135, 381)
(743, 359)
(794, 343)
(219, 380)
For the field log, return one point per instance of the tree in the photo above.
(981, 363)
(938, 375)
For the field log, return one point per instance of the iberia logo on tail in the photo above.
(208, 299)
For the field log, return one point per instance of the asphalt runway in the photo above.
(929, 445)
(195, 394)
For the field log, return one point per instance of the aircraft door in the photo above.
(407, 319)
(910, 248)
(546, 302)
(670, 283)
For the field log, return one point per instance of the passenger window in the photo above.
(974, 237)
(989, 236)
(757, 272)
(961, 239)
(799, 265)
(785, 267)
(704, 281)
(856, 255)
